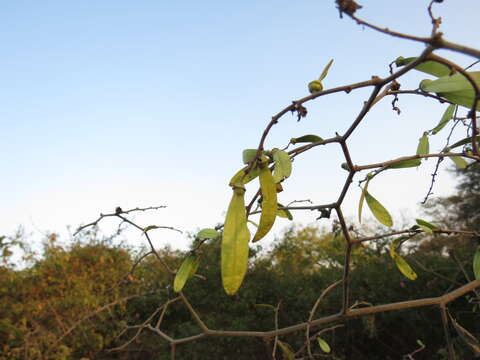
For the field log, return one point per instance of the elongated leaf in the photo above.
(269, 203)
(425, 229)
(404, 268)
(283, 165)
(453, 83)
(405, 164)
(286, 350)
(423, 147)
(284, 213)
(420, 342)
(459, 161)
(207, 234)
(253, 223)
(324, 345)
(476, 263)
(464, 141)
(446, 117)
(430, 67)
(377, 209)
(248, 155)
(325, 70)
(306, 139)
(462, 97)
(466, 336)
(268, 306)
(234, 258)
(421, 222)
(187, 269)
(241, 178)
(362, 200)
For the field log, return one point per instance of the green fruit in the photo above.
(315, 86)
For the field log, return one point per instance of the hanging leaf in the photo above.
(423, 147)
(287, 350)
(404, 268)
(325, 70)
(284, 213)
(306, 139)
(377, 209)
(362, 199)
(241, 178)
(446, 117)
(234, 258)
(253, 223)
(453, 83)
(459, 161)
(283, 165)
(430, 67)
(248, 155)
(324, 345)
(476, 263)
(269, 203)
(405, 164)
(207, 234)
(187, 270)
(466, 336)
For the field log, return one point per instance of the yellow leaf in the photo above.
(324, 345)
(378, 210)
(187, 270)
(404, 268)
(235, 243)
(269, 203)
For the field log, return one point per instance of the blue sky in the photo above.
(145, 103)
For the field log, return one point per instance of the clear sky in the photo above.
(145, 103)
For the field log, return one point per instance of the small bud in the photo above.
(315, 86)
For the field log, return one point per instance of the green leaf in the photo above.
(446, 117)
(248, 155)
(462, 97)
(306, 139)
(423, 147)
(476, 263)
(150, 227)
(377, 209)
(464, 141)
(453, 83)
(241, 178)
(283, 165)
(253, 223)
(425, 229)
(187, 270)
(284, 213)
(325, 70)
(420, 343)
(234, 252)
(424, 223)
(404, 268)
(430, 67)
(324, 345)
(405, 164)
(362, 200)
(268, 306)
(287, 350)
(207, 234)
(269, 203)
(466, 336)
(459, 161)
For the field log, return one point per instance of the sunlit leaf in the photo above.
(459, 161)
(404, 268)
(453, 83)
(425, 229)
(476, 263)
(187, 269)
(324, 345)
(466, 336)
(405, 164)
(207, 234)
(462, 97)
(269, 203)
(241, 178)
(306, 139)
(423, 147)
(287, 350)
(325, 70)
(446, 117)
(377, 209)
(248, 155)
(284, 213)
(283, 165)
(430, 67)
(362, 200)
(421, 222)
(234, 258)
